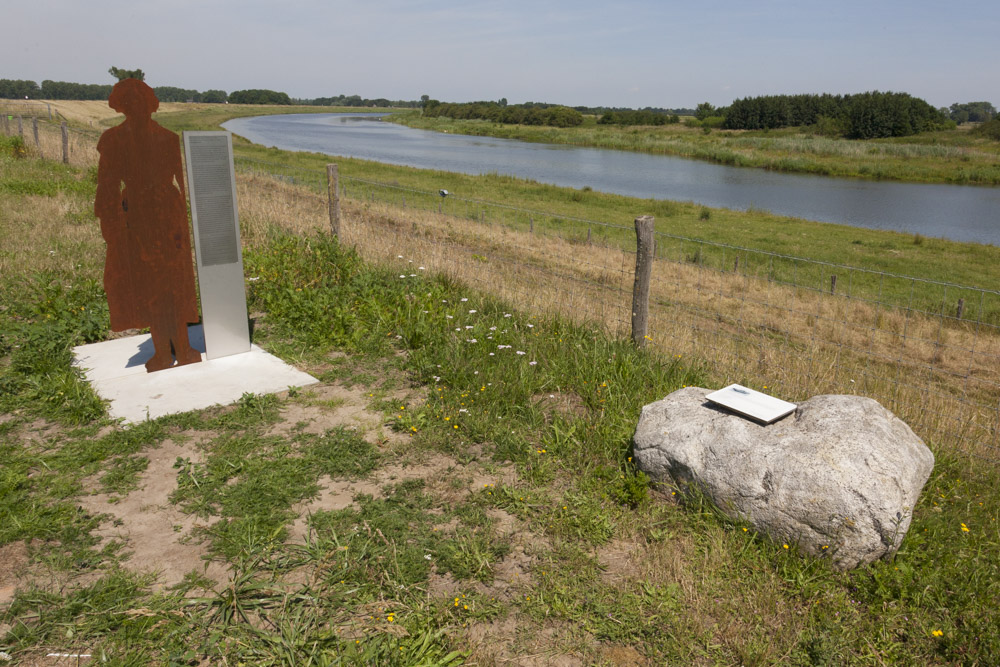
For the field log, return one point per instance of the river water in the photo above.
(957, 212)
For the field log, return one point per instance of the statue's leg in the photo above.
(161, 350)
(182, 346)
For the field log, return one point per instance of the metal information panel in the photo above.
(212, 186)
(753, 404)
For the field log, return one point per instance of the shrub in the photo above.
(15, 146)
(829, 127)
(990, 130)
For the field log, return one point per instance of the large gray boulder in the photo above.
(839, 477)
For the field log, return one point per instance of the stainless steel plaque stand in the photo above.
(212, 186)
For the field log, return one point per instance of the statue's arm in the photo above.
(108, 200)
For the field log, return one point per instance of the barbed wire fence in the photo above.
(792, 326)
(515, 254)
(47, 134)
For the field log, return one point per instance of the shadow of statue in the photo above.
(148, 272)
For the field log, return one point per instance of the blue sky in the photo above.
(632, 53)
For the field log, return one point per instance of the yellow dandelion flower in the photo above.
(965, 528)
(937, 633)
(785, 545)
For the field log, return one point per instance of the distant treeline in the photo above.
(358, 101)
(65, 90)
(640, 117)
(868, 115)
(600, 111)
(544, 113)
(529, 113)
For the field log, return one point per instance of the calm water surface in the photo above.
(960, 213)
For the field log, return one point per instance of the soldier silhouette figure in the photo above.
(148, 273)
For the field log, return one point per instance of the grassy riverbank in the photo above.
(426, 503)
(968, 264)
(934, 259)
(952, 156)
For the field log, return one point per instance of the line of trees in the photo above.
(638, 117)
(869, 115)
(358, 101)
(529, 113)
(600, 111)
(66, 90)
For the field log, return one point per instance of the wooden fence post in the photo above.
(65, 142)
(333, 196)
(833, 283)
(34, 129)
(6, 123)
(645, 242)
(960, 309)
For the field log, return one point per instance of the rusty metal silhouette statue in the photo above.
(148, 272)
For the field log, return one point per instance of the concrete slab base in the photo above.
(116, 370)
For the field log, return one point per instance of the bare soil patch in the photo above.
(14, 562)
(328, 406)
(156, 532)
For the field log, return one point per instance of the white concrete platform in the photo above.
(116, 370)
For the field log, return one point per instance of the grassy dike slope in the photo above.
(968, 264)
(425, 504)
(952, 156)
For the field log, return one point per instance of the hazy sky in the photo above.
(631, 53)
